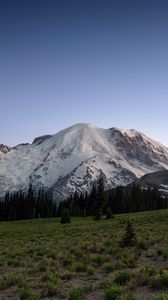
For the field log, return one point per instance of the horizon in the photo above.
(94, 61)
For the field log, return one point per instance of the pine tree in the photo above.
(65, 217)
(109, 214)
(101, 200)
(129, 238)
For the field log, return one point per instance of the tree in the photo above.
(65, 217)
(109, 214)
(101, 200)
(129, 238)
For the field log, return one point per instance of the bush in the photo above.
(113, 292)
(122, 278)
(90, 270)
(160, 280)
(142, 245)
(148, 270)
(78, 293)
(108, 267)
(65, 217)
(75, 294)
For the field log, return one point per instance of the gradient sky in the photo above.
(64, 62)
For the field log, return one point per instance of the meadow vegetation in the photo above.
(123, 258)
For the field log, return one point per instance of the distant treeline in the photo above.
(21, 205)
(120, 200)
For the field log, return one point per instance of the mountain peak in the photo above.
(74, 158)
(4, 148)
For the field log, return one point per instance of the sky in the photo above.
(87, 61)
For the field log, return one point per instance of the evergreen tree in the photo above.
(101, 199)
(129, 238)
(65, 217)
(109, 214)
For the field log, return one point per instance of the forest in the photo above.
(30, 205)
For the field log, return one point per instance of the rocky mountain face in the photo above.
(4, 149)
(157, 179)
(74, 158)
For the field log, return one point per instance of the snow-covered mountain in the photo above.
(74, 158)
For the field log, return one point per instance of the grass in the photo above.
(43, 259)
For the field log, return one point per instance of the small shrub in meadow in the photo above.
(78, 293)
(108, 267)
(122, 278)
(26, 294)
(79, 267)
(142, 245)
(75, 294)
(113, 292)
(12, 279)
(148, 270)
(90, 270)
(160, 280)
(52, 289)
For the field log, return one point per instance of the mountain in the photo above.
(157, 179)
(4, 149)
(74, 158)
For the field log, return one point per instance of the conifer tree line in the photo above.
(119, 200)
(21, 206)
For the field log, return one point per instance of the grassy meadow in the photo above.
(43, 259)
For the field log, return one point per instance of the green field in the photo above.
(43, 259)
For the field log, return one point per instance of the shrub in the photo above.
(148, 270)
(160, 280)
(52, 289)
(75, 294)
(79, 267)
(26, 294)
(122, 278)
(100, 259)
(12, 279)
(142, 245)
(113, 292)
(108, 267)
(78, 293)
(90, 270)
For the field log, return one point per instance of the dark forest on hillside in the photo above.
(20, 206)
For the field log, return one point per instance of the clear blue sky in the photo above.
(65, 61)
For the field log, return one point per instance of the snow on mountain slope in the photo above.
(74, 158)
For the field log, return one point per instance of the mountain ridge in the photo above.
(74, 158)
